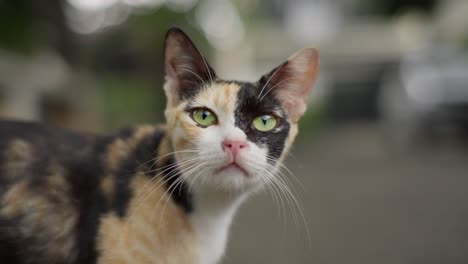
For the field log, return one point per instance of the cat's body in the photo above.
(149, 194)
(69, 193)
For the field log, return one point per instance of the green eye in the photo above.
(204, 117)
(265, 122)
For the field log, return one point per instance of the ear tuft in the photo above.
(292, 81)
(186, 70)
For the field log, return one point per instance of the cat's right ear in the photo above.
(186, 70)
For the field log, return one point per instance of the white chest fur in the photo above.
(211, 220)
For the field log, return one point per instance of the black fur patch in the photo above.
(10, 247)
(85, 182)
(137, 160)
(249, 107)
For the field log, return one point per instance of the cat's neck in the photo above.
(211, 218)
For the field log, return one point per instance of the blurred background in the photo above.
(382, 154)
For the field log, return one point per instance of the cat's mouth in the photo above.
(233, 166)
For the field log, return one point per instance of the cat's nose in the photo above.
(234, 146)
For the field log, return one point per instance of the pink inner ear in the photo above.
(294, 104)
(298, 76)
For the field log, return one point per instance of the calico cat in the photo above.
(151, 194)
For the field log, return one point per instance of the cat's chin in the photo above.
(231, 179)
(233, 168)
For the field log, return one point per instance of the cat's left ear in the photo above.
(185, 68)
(292, 81)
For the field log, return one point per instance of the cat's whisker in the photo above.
(293, 203)
(277, 198)
(165, 166)
(155, 188)
(175, 167)
(282, 194)
(283, 166)
(174, 186)
(285, 80)
(160, 157)
(192, 182)
(165, 169)
(190, 71)
(169, 177)
(181, 171)
(129, 220)
(206, 65)
(207, 69)
(297, 204)
(273, 189)
(269, 79)
(283, 187)
(271, 178)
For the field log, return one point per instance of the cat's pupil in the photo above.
(205, 114)
(264, 119)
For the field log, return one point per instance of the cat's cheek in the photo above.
(209, 140)
(293, 130)
(179, 138)
(185, 132)
(255, 160)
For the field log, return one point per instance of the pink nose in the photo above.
(233, 146)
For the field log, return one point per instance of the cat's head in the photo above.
(232, 134)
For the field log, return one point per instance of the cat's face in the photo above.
(228, 134)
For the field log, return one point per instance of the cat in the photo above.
(151, 194)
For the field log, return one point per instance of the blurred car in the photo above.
(425, 97)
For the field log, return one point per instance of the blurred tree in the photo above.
(28, 26)
(17, 26)
(123, 62)
(129, 62)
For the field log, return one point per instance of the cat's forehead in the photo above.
(228, 96)
(220, 96)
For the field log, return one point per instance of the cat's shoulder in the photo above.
(37, 132)
(45, 140)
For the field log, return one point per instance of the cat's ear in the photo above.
(186, 70)
(292, 81)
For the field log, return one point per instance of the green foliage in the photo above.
(311, 123)
(149, 29)
(18, 30)
(128, 100)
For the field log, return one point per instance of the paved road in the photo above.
(362, 205)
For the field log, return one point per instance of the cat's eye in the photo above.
(265, 122)
(204, 117)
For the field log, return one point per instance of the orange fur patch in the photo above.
(293, 130)
(119, 149)
(19, 150)
(13, 199)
